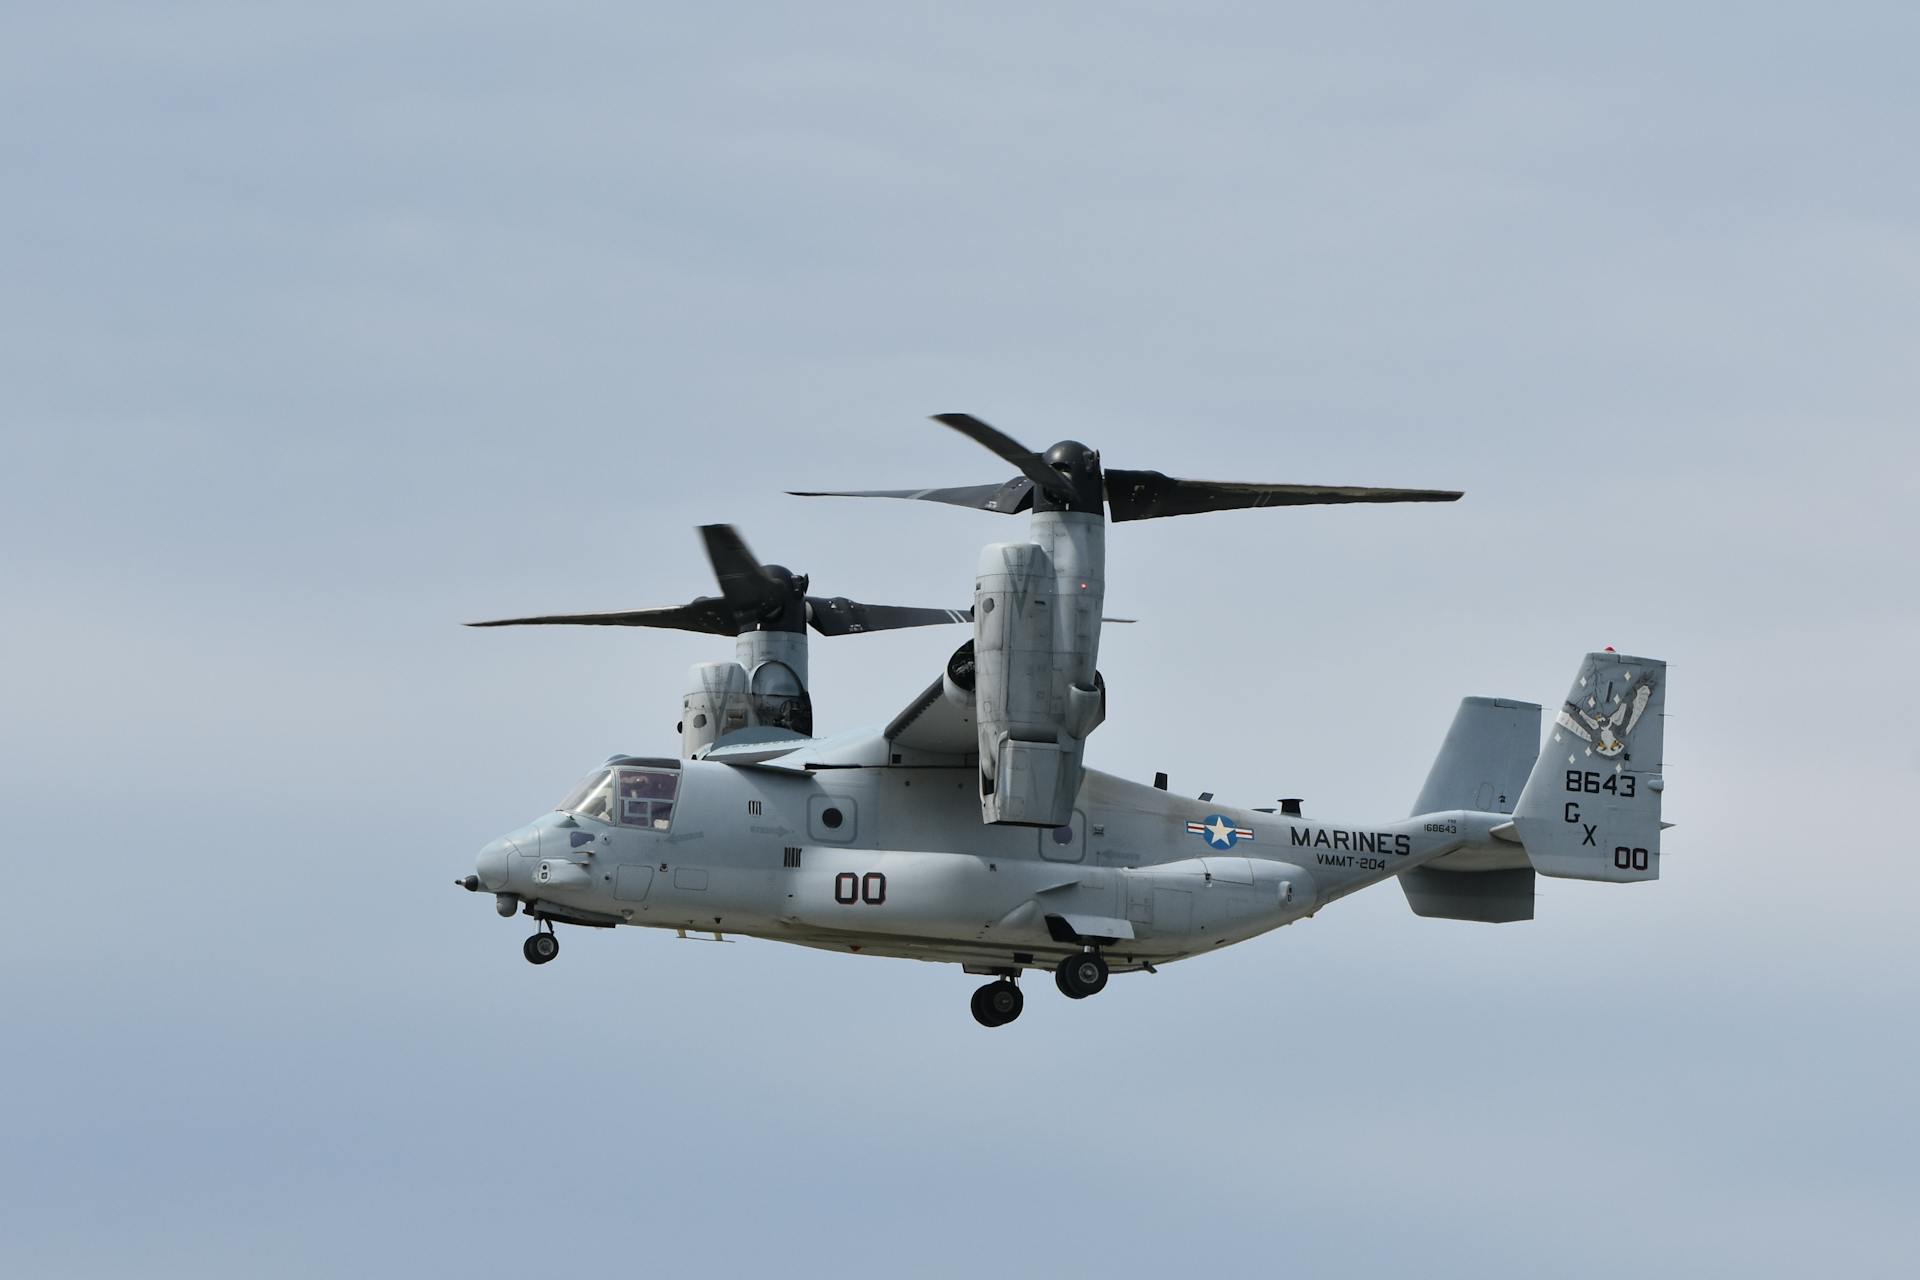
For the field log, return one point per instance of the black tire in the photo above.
(541, 948)
(1060, 983)
(997, 1003)
(1082, 974)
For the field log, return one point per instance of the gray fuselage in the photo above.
(890, 860)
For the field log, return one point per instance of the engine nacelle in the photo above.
(1085, 712)
(765, 685)
(959, 680)
(716, 704)
(776, 667)
(1036, 636)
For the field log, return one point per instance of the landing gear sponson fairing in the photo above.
(969, 830)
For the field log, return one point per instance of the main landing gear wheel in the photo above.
(540, 948)
(1081, 975)
(997, 1003)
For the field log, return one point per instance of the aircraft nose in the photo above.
(492, 864)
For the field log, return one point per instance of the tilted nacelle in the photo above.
(715, 705)
(765, 685)
(1036, 696)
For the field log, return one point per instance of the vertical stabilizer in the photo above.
(1482, 767)
(1484, 762)
(1591, 808)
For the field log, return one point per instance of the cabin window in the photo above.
(1064, 844)
(832, 819)
(646, 798)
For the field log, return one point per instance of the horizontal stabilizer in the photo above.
(1490, 897)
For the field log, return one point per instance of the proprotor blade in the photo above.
(705, 614)
(751, 592)
(839, 616)
(1014, 496)
(1007, 448)
(1148, 495)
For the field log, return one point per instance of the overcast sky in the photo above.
(325, 329)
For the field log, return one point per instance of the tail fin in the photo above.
(1591, 807)
(1482, 767)
(1484, 761)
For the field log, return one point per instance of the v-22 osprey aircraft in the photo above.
(969, 830)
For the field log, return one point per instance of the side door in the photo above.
(643, 806)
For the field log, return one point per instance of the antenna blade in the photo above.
(750, 591)
(707, 614)
(1149, 495)
(839, 616)
(1005, 447)
(1014, 496)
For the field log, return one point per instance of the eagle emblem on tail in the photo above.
(1602, 711)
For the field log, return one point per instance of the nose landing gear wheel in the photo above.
(997, 1003)
(1081, 975)
(540, 948)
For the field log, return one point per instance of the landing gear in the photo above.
(997, 1003)
(541, 947)
(1081, 975)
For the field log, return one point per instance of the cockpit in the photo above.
(629, 795)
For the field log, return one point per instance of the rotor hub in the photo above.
(1079, 468)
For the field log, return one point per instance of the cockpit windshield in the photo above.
(646, 797)
(632, 797)
(593, 798)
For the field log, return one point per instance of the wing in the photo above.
(933, 724)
